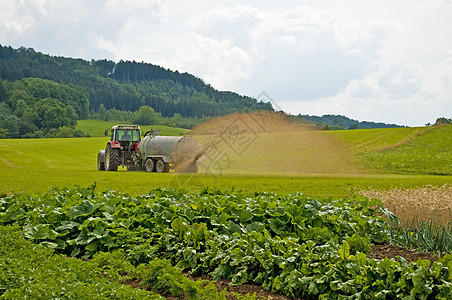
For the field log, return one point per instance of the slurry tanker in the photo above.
(152, 153)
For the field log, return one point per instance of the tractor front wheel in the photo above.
(101, 160)
(112, 160)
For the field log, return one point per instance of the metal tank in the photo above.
(162, 153)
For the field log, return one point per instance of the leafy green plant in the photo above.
(359, 243)
(31, 271)
(289, 244)
(427, 236)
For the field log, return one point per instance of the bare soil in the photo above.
(382, 251)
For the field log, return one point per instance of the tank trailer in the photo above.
(152, 153)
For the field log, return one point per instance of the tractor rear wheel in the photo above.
(149, 165)
(112, 159)
(160, 166)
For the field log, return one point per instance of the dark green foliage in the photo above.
(146, 116)
(443, 121)
(36, 107)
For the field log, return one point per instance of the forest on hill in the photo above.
(40, 94)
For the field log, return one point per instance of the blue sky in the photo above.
(384, 61)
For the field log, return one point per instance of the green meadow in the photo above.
(96, 128)
(429, 152)
(35, 165)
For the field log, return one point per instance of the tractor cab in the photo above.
(126, 135)
(123, 144)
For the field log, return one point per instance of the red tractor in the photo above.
(118, 152)
(152, 153)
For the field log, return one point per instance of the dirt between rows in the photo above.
(379, 251)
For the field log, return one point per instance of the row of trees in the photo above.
(441, 121)
(338, 122)
(146, 115)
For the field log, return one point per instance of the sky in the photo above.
(383, 61)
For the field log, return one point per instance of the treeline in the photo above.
(126, 85)
(337, 122)
(441, 121)
(146, 115)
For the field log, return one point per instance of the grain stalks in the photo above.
(422, 217)
(413, 205)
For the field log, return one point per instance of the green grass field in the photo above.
(35, 165)
(96, 128)
(368, 140)
(428, 153)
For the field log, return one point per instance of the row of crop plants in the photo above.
(289, 244)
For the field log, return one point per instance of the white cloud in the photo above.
(398, 92)
(88, 29)
(219, 54)
(297, 53)
(401, 80)
(365, 38)
(378, 61)
(18, 16)
(438, 79)
(138, 13)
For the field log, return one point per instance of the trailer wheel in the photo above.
(111, 159)
(167, 168)
(160, 166)
(150, 165)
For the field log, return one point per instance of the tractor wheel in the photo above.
(167, 168)
(160, 166)
(100, 162)
(112, 159)
(150, 165)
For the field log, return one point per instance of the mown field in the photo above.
(36, 165)
(270, 163)
(280, 210)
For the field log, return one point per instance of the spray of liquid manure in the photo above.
(268, 143)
